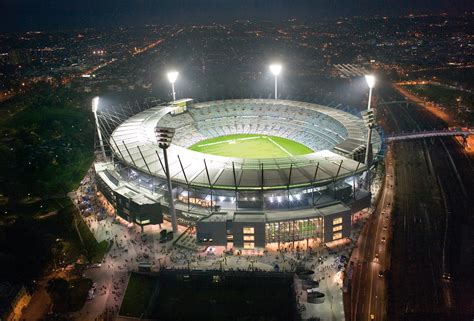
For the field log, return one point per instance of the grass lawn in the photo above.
(251, 146)
(232, 297)
(443, 95)
(137, 295)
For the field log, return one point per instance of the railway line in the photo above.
(431, 201)
(429, 192)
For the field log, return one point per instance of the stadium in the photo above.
(245, 173)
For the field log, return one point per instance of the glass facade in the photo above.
(249, 230)
(249, 237)
(294, 230)
(249, 245)
(337, 236)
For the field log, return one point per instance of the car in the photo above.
(90, 294)
(380, 275)
(446, 276)
(372, 317)
(385, 227)
(376, 259)
(383, 239)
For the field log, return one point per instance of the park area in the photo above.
(211, 295)
(454, 100)
(251, 146)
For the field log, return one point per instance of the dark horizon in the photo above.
(25, 15)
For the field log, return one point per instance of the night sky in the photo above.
(21, 15)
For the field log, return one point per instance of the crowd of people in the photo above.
(131, 247)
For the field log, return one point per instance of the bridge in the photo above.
(464, 132)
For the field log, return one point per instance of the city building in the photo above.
(13, 299)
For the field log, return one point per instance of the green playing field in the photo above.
(251, 146)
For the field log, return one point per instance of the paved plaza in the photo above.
(132, 246)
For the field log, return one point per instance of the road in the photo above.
(371, 257)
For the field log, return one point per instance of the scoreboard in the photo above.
(180, 106)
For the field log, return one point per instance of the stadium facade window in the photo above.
(288, 231)
(249, 230)
(249, 245)
(249, 238)
(337, 236)
(337, 221)
(337, 228)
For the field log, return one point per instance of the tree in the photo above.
(58, 288)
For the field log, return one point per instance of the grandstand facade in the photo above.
(279, 199)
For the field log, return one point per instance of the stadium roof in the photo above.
(134, 142)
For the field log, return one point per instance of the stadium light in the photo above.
(370, 79)
(172, 76)
(164, 136)
(95, 106)
(275, 69)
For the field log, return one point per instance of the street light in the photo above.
(95, 105)
(370, 79)
(172, 76)
(275, 69)
(164, 135)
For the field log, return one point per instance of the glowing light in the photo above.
(172, 76)
(275, 69)
(370, 80)
(95, 104)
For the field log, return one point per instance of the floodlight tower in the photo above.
(370, 79)
(95, 105)
(275, 69)
(172, 76)
(164, 135)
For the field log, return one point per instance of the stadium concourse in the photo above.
(306, 186)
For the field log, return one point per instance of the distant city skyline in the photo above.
(23, 15)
